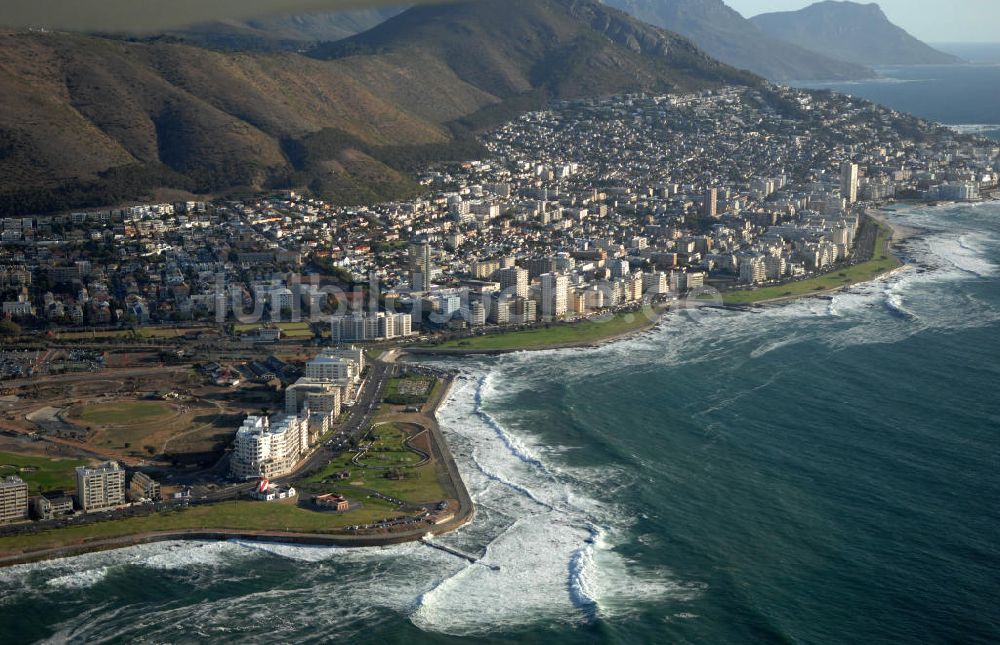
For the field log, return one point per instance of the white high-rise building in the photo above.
(655, 284)
(554, 295)
(514, 281)
(100, 488)
(266, 448)
(362, 327)
(316, 395)
(13, 500)
(329, 365)
(849, 181)
(420, 266)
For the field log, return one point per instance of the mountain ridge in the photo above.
(725, 34)
(86, 120)
(852, 32)
(288, 32)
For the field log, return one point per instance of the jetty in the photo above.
(455, 552)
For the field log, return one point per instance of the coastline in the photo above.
(897, 233)
(439, 447)
(893, 234)
(650, 324)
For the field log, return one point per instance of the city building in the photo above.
(554, 295)
(141, 486)
(514, 281)
(421, 267)
(711, 205)
(360, 327)
(317, 395)
(849, 181)
(100, 488)
(269, 447)
(13, 500)
(334, 365)
(52, 505)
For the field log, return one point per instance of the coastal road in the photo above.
(358, 421)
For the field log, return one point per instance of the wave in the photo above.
(767, 348)
(894, 303)
(516, 446)
(82, 579)
(964, 252)
(581, 584)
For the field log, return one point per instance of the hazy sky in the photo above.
(937, 21)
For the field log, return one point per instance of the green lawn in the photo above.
(41, 473)
(420, 485)
(249, 516)
(125, 413)
(169, 332)
(89, 335)
(558, 334)
(389, 450)
(141, 332)
(288, 329)
(880, 264)
(411, 390)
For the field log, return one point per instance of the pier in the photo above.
(455, 552)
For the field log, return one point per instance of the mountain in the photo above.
(285, 31)
(560, 47)
(88, 120)
(848, 31)
(725, 34)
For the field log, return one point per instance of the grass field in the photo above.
(41, 473)
(89, 335)
(167, 332)
(126, 414)
(249, 516)
(389, 450)
(141, 332)
(420, 485)
(141, 428)
(883, 262)
(291, 330)
(581, 333)
(411, 390)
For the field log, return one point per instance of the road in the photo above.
(358, 421)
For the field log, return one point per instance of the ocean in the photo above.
(826, 471)
(966, 95)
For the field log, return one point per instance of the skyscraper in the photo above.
(514, 281)
(13, 500)
(849, 181)
(711, 202)
(420, 266)
(554, 294)
(100, 488)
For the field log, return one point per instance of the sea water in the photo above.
(966, 95)
(826, 471)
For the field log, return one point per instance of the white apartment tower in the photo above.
(554, 295)
(849, 181)
(100, 488)
(514, 281)
(13, 500)
(266, 448)
(420, 266)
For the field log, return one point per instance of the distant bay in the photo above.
(966, 94)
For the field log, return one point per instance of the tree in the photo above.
(9, 328)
